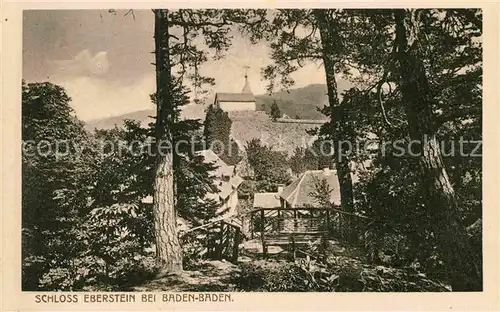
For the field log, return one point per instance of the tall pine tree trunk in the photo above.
(462, 265)
(168, 249)
(329, 38)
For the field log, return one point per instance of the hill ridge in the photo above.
(299, 102)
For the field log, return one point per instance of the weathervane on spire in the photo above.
(246, 70)
(246, 88)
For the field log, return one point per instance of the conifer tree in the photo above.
(297, 36)
(275, 111)
(176, 48)
(217, 133)
(55, 164)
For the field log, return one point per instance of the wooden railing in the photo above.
(299, 226)
(218, 239)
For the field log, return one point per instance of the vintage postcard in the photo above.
(267, 156)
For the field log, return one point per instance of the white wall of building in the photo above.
(228, 206)
(237, 106)
(233, 199)
(224, 206)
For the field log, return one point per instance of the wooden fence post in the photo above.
(236, 244)
(251, 225)
(221, 246)
(295, 220)
(263, 229)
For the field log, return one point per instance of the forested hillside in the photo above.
(297, 102)
(300, 103)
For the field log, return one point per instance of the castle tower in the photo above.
(244, 101)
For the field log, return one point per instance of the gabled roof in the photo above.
(236, 181)
(298, 193)
(221, 167)
(266, 200)
(234, 97)
(224, 187)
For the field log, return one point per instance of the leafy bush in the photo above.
(270, 167)
(251, 277)
(343, 274)
(193, 247)
(84, 223)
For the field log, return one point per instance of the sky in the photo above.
(104, 60)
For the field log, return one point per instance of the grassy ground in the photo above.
(204, 276)
(343, 271)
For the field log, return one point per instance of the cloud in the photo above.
(83, 64)
(94, 97)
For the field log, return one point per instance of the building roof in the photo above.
(234, 97)
(298, 193)
(224, 187)
(236, 180)
(246, 94)
(266, 200)
(221, 167)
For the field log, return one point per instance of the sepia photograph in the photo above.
(251, 150)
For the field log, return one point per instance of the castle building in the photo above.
(244, 101)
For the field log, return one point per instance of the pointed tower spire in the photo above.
(246, 87)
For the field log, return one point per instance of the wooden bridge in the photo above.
(289, 228)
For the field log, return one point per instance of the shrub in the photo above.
(343, 274)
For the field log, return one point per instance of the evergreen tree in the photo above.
(439, 192)
(217, 133)
(56, 170)
(326, 40)
(192, 174)
(438, 113)
(212, 26)
(275, 111)
(386, 47)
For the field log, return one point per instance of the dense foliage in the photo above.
(416, 75)
(342, 275)
(270, 167)
(275, 111)
(86, 222)
(55, 163)
(217, 134)
(316, 156)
